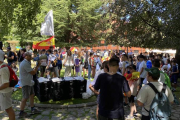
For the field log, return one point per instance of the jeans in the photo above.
(89, 71)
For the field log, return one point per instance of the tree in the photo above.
(145, 23)
(18, 15)
(75, 21)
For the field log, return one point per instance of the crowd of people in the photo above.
(118, 79)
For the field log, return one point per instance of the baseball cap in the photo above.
(2, 56)
(154, 71)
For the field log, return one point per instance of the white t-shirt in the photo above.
(43, 61)
(147, 94)
(51, 58)
(144, 73)
(4, 78)
(165, 60)
(168, 67)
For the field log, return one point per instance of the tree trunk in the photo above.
(177, 56)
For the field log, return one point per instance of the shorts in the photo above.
(42, 69)
(51, 69)
(131, 99)
(59, 66)
(27, 91)
(5, 101)
(174, 79)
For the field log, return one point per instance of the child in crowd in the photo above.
(77, 64)
(132, 76)
(13, 66)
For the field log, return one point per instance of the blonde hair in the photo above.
(79, 54)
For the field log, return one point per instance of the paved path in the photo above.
(87, 113)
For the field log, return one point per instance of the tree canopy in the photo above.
(145, 23)
(141, 23)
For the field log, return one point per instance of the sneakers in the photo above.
(136, 114)
(35, 111)
(23, 115)
(130, 117)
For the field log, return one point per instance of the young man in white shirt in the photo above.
(142, 71)
(5, 90)
(125, 64)
(147, 94)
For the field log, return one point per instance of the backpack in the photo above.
(167, 79)
(13, 79)
(160, 108)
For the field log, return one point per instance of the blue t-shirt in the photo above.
(59, 61)
(111, 95)
(149, 64)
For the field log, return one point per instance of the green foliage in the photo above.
(75, 21)
(16, 17)
(145, 23)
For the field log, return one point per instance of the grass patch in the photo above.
(17, 95)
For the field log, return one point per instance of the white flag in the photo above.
(47, 27)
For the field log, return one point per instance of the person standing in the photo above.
(5, 90)
(104, 69)
(29, 49)
(174, 74)
(111, 85)
(21, 55)
(142, 71)
(10, 56)
(90, 65)
(146, 94)
(43, 62)
(50, 69)
(77, 64)
(68, 63)
(56, 73)
(75, 55)
(125, 64)
(59, 62)
(149, 62)
(82, 61)
(26, 76)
